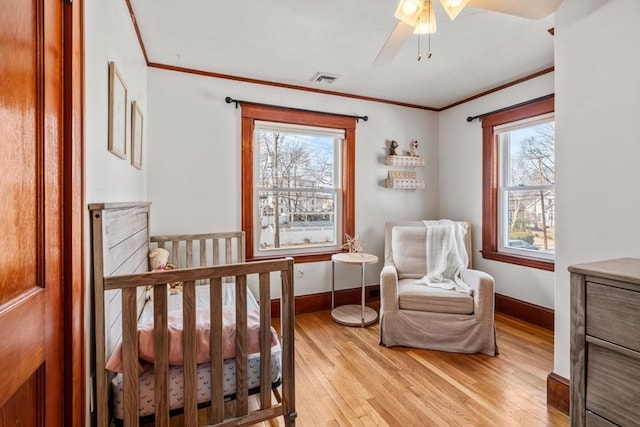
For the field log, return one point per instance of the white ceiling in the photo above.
(288, 41)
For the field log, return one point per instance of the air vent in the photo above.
(325, 78)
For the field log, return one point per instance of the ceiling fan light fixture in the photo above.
(426, 23)
(408, 11)
(453, 7)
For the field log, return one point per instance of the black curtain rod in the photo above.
(230, 100)
(470, 118)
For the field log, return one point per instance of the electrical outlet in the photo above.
(299, 273)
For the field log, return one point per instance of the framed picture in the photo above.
(117, 112)
(136, 135)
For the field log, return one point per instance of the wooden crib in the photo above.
(124, 289)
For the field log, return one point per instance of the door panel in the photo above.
(31, 313)
(24, 407)
(23, 345)
(18, 184)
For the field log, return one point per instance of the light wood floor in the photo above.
(344, 378)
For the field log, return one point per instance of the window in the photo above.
(297, 188)
(526, 187)
(297, 182)
(519, 185)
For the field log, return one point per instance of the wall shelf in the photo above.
(410, 161)
(404, 179)
(405, 184)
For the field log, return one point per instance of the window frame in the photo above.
(254, 112)
(337, 138)
(505, 187)
(491, 182)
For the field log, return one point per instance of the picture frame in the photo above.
(117, 112)
(137, 133)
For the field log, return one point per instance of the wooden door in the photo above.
(31, 124)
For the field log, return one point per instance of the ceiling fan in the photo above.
(418, 17)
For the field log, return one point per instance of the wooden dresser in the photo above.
(605, 343)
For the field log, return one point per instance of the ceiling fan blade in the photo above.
(532, 9)
(392, 46)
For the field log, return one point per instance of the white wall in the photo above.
(194, 174)
(597, 59)
(109, 36)
(461, 186)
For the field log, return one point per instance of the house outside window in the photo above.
(298, 180)
(519, 185)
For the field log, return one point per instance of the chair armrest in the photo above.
(483, 292)
(389, 289)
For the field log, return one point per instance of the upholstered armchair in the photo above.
(417, 315)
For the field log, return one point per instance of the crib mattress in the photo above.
(146, 383)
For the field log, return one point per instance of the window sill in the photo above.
(541, 264)
(300, 258)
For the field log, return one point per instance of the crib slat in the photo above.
(175, 253)
(202, 245)
(265, 341)
(203, 252)
(242, 390)
(216, 252)
(227, 251)
(228, 259)
(189, 355)
(189, 253)
(130, 356)
(161, 360)
(227, 255)
(216, 415)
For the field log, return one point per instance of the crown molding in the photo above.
(314, 90)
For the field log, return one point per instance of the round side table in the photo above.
(352, 314)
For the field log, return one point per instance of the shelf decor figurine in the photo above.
(392, 148)
(353, 244)
(413, 152)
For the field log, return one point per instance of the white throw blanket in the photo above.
(446, 256)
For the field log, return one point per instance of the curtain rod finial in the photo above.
(229, 100)
(470, 119)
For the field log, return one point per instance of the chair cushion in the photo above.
(413, 296)
(409, 249)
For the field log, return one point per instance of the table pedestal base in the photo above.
(351, 315)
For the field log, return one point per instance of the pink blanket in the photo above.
(146, 338)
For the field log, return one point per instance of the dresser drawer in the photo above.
(593, 420)
(613, 384)
(613, 314)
